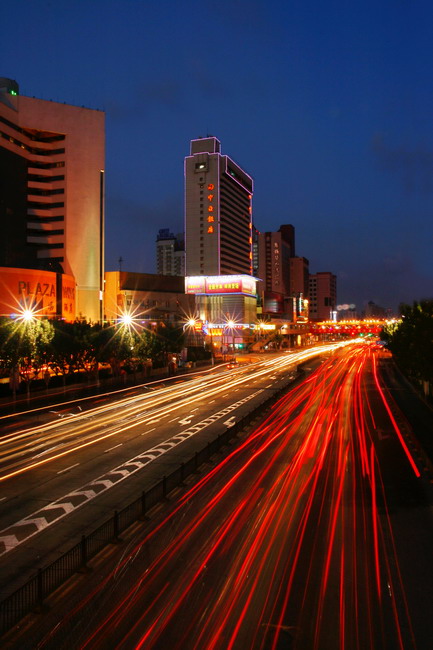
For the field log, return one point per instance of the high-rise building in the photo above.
(323, 296)
(218, 212)
(300, 287)
(274, 251)
(299, 276)
(170, 253)
(52, 201)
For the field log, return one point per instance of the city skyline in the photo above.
(328, 109)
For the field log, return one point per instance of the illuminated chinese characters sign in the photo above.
(276, 263)
(68, 297)
(217, 284)
(211, 208)
(195, 284)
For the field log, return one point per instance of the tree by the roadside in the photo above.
(115, 345)
(73, 348)
(24, 346)
(411, 340)
(164, 340)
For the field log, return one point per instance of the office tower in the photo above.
(52, 201)
(274, 251)
(299, 287)
(323, 296)
(170, 253)
(299, 276)
(218, 212)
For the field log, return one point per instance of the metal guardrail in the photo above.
(32, 595)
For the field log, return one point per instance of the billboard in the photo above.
(43, 292)
(195, 284)
(221, 284)
(68, 297)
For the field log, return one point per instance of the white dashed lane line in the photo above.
(148, 431)
(17, 533)
(62, 471)
(115, 447)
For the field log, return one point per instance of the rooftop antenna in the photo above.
(120, 260)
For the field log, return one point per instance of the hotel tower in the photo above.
(218, 219)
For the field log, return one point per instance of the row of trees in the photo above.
(37, 348)
(411, 341)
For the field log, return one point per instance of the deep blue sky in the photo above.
(328, 105)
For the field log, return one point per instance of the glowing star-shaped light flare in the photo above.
(126, 319)
(27, 315)
(130, 321)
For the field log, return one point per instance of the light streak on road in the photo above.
(286, 543)
(76, 432)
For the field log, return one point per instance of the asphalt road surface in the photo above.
(64, 470)
(314, 533)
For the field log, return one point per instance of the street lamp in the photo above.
(231, 325)
(210, 326)
(190, 325)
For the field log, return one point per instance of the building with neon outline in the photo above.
(218, 212)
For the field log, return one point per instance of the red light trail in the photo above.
(288, 542)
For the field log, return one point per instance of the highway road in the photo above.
(314, 533)
(65, 469)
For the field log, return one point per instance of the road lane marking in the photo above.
(62, 471)
(21, 531)
(148, 431)
(115, 447)
(46, 451)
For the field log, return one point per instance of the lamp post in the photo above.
(232, 325)
(210, 326)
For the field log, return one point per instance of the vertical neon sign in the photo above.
(250, 240)
(210, 208)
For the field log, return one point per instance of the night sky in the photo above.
(328, 105)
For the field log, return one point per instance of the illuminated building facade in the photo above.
(274, 251)
(170, 253)
(52, 195)
(322, 296)
(148, 297)
(218, 212)
(226, 305)
(300, 287)
(45, 293)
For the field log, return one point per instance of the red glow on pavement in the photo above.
(282, 537)
(394, 423)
